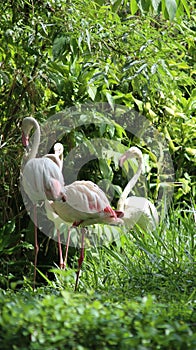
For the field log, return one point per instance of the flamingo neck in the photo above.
(59, 158)
(129, 186)
(36, 139)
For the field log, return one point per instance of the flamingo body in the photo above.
(85, 204)
(140, 211)
(42, 179)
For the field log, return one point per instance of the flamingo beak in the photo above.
(25, 141)
(122, 160)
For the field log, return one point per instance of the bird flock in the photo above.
(81, 203)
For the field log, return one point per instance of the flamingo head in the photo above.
(132, 152)
(27, 125)
(58, 148)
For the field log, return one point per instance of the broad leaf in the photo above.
(133, 6)
(155, 4)
(171, 7)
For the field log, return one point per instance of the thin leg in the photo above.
(36, 244)
(67, 247)
(81, 258)
(61, 262)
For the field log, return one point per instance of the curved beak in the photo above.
(25, 141)
(122, 160)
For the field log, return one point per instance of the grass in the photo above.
(161, 262)
(136, 294)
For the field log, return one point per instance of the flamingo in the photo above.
(137, 210)
(41, 177)
(85, 204)
(57, 157)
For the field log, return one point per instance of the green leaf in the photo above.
(105, 169)
(88, 37)
(131, 64)
(133, 6)
(155, 4)
(92, 90)
(186, 7)
(171, 7)
(145, 5)
(50, 283)
(110, 99)
(59, 46)
(116, 5)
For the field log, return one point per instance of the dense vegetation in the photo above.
(137, 292)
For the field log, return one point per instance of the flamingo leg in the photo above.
(81, 258)
(61, 262)
(36, 246)
(67, 248)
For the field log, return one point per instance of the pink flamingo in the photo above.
(41, 177)
(85, 204)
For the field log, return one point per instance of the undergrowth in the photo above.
(137, 293)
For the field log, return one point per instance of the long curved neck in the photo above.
(129, 186)
(61, 163)
(36, 139)
(59, 157)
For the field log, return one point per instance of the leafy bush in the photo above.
(138, 294)
(52, 59)
(89, 322)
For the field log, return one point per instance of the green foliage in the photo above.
(91, 322)
(168, 8)
(52, 59)
(138, 54)
(137, 294)
(161, 262)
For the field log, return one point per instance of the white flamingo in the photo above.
(41, 178)
(56, 157)
(85, 204)
(137, 210)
